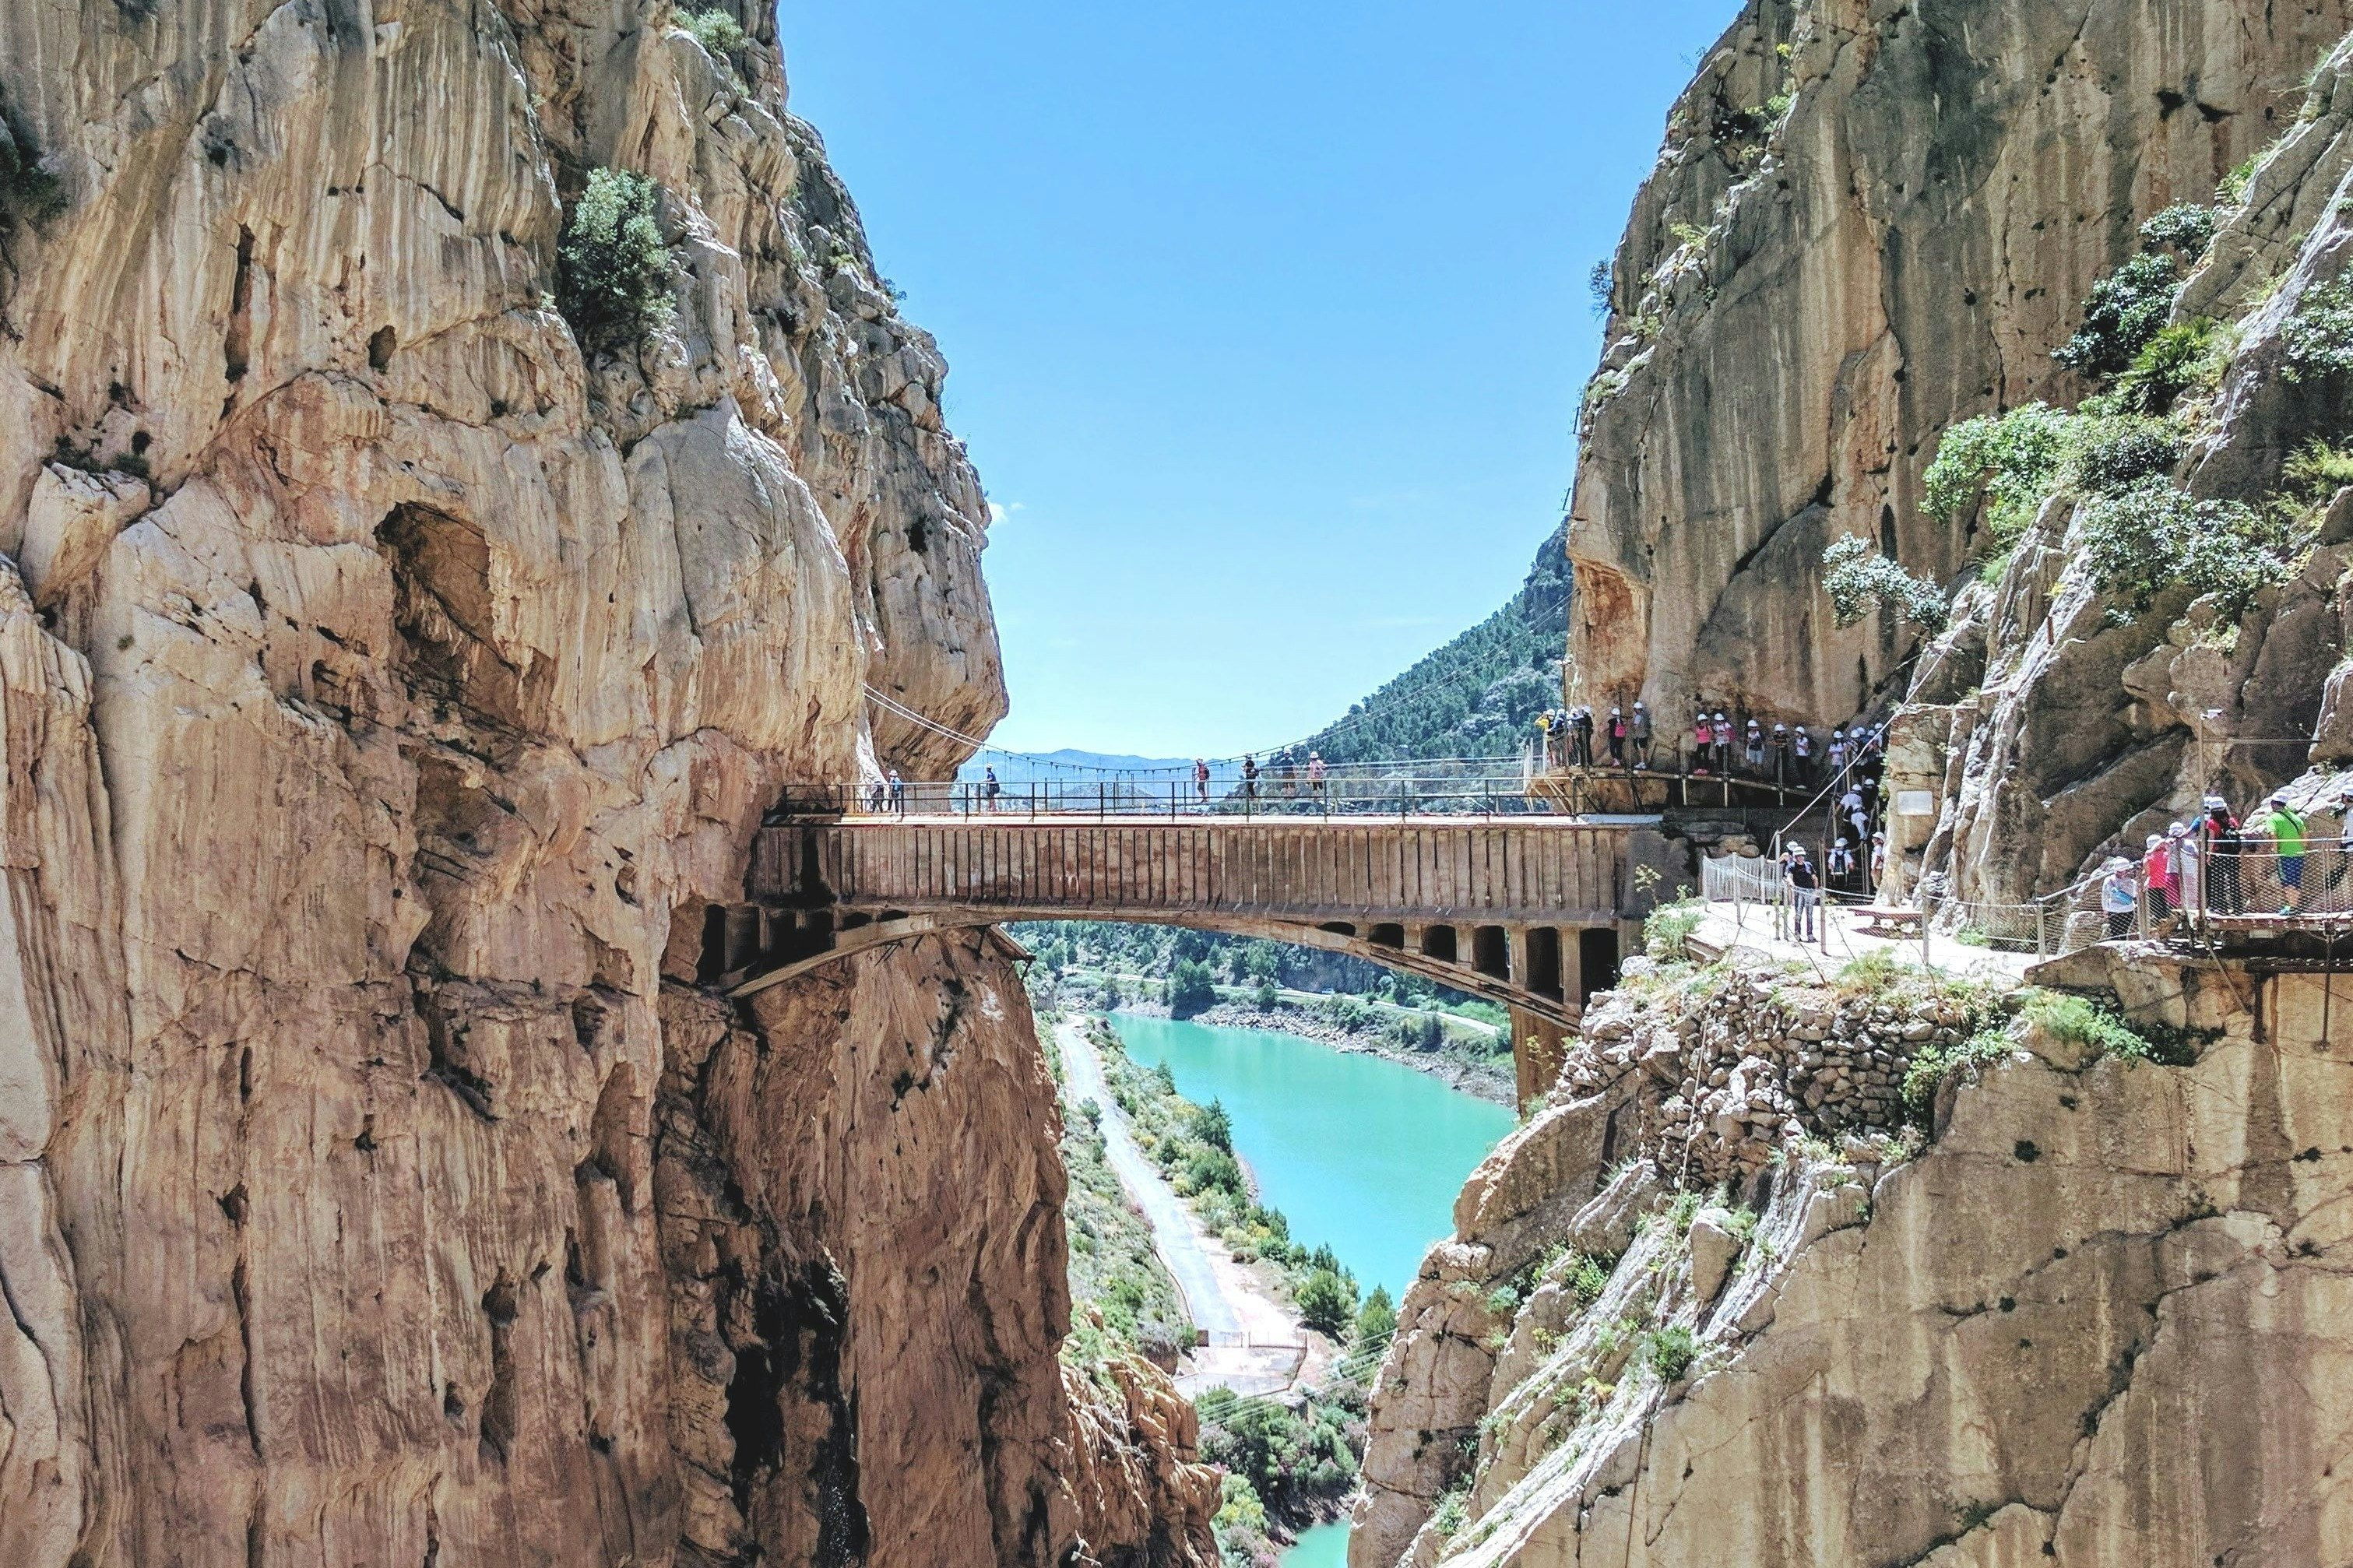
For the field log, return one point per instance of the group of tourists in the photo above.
(1286, 771)
(2222, 866)
(1565, 737)
(1845, 868)
(1721, 747)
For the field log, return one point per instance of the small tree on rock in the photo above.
(1327, 1303)
(612, 270)
(1861, 580)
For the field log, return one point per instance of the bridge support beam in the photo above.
(1539, 1046)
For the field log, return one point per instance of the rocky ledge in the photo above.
(2087, 1311)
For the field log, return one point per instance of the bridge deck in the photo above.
(1503, 869)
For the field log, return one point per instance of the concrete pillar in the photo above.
(1538, 1048)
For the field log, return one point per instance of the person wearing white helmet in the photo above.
(2119, 897)
(1805, 889)
(2157, 875)
(2189, 870)
(1637, 731)
(2285, 825)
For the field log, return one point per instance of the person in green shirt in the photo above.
(2286, 830)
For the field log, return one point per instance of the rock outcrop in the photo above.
(1867, 223)
(2046, 729)
(2097, 1320)
(385, 689)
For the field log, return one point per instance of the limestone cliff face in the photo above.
(383, 689)
(2049, 735)
(1870, 221)
(2097, 1320)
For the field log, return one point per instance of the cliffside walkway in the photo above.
(1523, 909)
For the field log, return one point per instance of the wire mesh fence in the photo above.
(2185, 889)
(1447, 790)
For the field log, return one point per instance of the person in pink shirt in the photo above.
(2157, 871)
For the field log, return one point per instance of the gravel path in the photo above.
(1255, 1345)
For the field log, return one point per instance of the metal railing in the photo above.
(1670, 777)
(2196, 896)
(1355, 793)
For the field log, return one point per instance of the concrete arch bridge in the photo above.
(1529, 912)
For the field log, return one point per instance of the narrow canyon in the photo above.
(462, 467)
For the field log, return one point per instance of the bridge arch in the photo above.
(1527, 913)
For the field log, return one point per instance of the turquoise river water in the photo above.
(1357, 1151)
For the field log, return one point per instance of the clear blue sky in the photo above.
(1266, 323)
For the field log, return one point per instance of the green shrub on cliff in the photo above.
(1669, 928)
(2123, 313)
(2085, 1021)
(2182, 358)
(2318, 341)
(716, 30)
(2153, 536)
(2114, 453)
(2012, 460)
(1932, 1064)
(2129, 307)
(1669, 1351)
(1860, 579)
(612, 270)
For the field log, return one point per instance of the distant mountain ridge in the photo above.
(1068, 762)
(1477, 696)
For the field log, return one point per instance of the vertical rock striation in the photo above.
(1867, 223)
(384, 687)
(2098, 1319)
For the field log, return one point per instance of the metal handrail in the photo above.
(1042, 798)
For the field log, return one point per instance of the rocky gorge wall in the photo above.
(2048, 727)
(386, 688)
(1869, 222)
(2095, 1317)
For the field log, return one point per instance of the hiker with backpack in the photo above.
(2219, 832)
(1806, 890)
(2285, 827)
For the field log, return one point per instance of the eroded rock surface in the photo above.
(384, 687)
(2098, 1319)
(1867, 223)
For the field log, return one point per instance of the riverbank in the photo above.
(1482, 1077)
(1252, 1339)
(1358, 1163)
(1465, 1054)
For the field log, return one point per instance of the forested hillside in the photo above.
(1479, 695)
